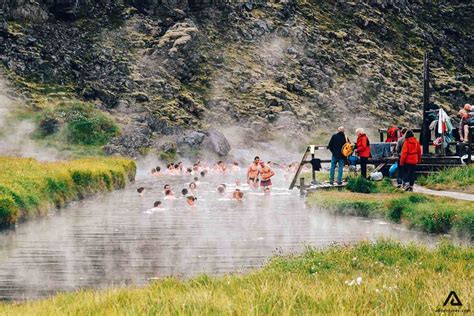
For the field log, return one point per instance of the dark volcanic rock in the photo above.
(210, 141)
(132, 143)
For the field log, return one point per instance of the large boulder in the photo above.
(132, 143)
(199, 143)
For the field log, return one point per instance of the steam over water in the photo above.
(112, 240)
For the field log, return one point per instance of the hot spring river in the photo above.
(110, 239)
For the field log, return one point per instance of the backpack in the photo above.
(347, 148)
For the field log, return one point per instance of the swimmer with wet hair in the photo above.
(189, 171)
(220, 189)
(190, 200)
(157, 204)
(169, 195)
(184, 192)
(141, 190)
(237, 195)
(193, 187)
(166, 187)
(203, 174)
(153, 171)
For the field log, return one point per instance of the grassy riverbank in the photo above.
(427, 213)
(29, 187)
(454, 179)
(394, 279)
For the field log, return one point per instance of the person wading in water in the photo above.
(266, 172)
(252, 173)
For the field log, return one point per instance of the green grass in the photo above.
(426, 213)
(77, 122)
(29, 187)
(456, 179)
(396, 280)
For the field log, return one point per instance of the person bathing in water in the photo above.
(267, 173)
(141, 191)
(252, 173)
(169, 195)
(156, 206)
(193, 187)
(191, 201)
(237, 195)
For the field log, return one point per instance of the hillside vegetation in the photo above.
(301, 66)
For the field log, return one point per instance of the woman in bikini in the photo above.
(267, 173)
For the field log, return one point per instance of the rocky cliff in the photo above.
(166, 72)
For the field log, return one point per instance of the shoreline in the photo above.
(29, 188)
(365, 274)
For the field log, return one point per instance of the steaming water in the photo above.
(112, 240)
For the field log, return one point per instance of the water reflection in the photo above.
(111, 240)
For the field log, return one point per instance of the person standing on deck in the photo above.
(398, 151)
(335, 146)
(411, 156)
(393, 134)
(363, 150)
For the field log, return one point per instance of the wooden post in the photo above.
(470, 137)
(425, 128)
(302, 186)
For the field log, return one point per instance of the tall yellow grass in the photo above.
(29, 187)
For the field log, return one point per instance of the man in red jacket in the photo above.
(363, 150)
(411, 156)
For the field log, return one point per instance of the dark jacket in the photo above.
(336, 143)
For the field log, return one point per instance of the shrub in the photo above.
(8, 210)
(96, 130)
(439, 222)
(360, 185)
(82, 124)
(396, 208)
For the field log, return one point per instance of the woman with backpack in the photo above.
(411, 156)
(363, 150)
